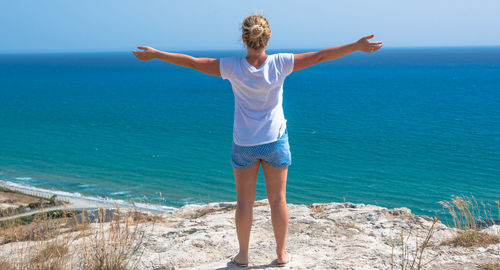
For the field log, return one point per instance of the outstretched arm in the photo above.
(205, 65)
(304, 60)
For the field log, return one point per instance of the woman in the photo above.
(260, 136)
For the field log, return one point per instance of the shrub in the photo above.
(469, 217)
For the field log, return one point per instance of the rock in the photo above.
(320, 236)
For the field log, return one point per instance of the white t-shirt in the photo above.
(258, 97)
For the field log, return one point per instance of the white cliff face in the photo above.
(320, 236)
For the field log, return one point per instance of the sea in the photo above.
(402, 127)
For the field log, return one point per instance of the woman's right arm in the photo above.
(304, 60)
(205, 65)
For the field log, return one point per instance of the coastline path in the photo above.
(70, 202)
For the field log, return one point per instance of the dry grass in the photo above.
(412, 260)
(38, 245)
(41, 226)
(4, 265)
(471, 238)
(468, 213)
(207, 210)
(51, 250)
(66, 241)
(469, 216)
(316, 208)
(115, 245)
(489, 266)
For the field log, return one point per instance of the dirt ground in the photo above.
(14, 199)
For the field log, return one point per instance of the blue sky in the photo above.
(121, 25)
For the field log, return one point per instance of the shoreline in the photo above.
(77, 201)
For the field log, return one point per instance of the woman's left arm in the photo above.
(304, 60)
(205, 65)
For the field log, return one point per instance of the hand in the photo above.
(148, 53)
(369, 47)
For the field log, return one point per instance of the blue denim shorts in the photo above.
(276, 154)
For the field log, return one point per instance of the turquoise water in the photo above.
(402, 127)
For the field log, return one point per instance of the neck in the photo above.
(252, 53)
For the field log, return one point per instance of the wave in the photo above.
(23, 178)
(119, 193)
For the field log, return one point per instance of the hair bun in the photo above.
(256, 30)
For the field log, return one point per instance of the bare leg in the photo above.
(245, 179)
(276, 194)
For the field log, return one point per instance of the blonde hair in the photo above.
(256, 31)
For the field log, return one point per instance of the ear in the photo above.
(243, 39)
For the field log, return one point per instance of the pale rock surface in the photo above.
(320, 236)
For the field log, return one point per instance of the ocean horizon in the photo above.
(403, 127)
(242, 50)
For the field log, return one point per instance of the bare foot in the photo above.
(284, 258)
(241, 259)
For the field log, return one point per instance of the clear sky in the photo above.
(121, 25)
